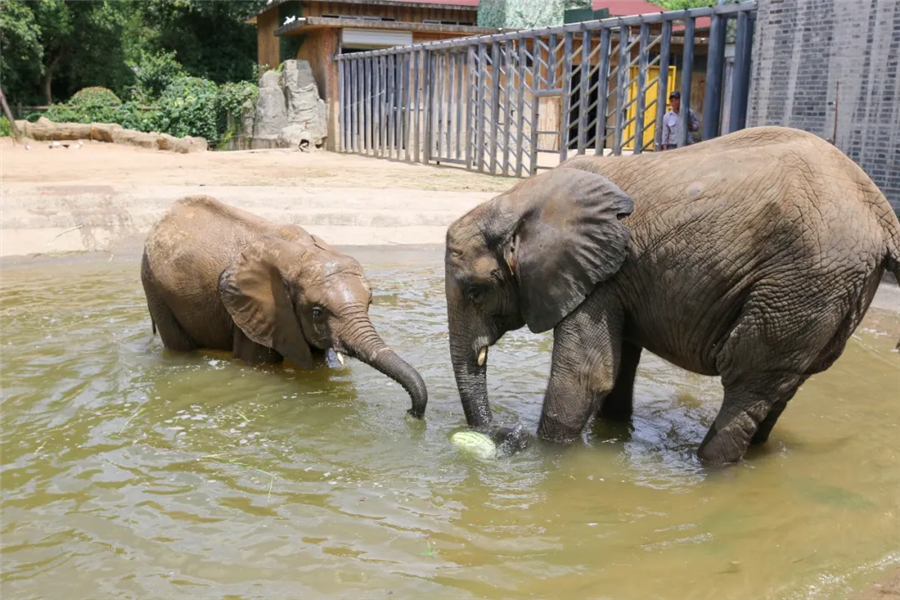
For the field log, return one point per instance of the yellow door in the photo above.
(649, 113)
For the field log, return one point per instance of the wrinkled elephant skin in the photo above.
(752, 256)
(220, 278)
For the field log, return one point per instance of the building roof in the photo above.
(624, 8)
(446, 3)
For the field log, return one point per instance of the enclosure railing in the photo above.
(495, 103)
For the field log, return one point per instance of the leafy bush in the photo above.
(90, 105)
(188, 106)
(5, 128)
(131, 115)
(153, 73)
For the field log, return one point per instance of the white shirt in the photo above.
(671, 122)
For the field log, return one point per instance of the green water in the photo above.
(132, 472)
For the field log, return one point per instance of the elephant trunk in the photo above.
(471, 380)
(366, 345)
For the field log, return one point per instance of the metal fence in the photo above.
(513, 103)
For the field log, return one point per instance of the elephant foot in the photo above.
(723, 447)
(510, 440)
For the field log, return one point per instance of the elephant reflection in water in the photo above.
(217, 277)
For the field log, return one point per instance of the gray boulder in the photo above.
(289, 112)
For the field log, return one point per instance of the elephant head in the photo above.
(530, 256)
(295, 295)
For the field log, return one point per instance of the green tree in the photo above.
(21, 52)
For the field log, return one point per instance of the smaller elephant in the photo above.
(220, 278)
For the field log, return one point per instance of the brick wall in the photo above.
(804, 48)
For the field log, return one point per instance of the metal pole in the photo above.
(417, 105)
(687, 70)
(583, 94)
(566, 97)
(495, 104)
(712, 113)
(342, 96)
(741, 87)
(520, 105)
(471, 77)
(535, 102)
(643, 59)
(662, 84)
(602, 93)
(508, 84)
(620, 90)
(479, 117)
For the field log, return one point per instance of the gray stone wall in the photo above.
(805, 50)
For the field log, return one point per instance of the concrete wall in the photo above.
(804, 48)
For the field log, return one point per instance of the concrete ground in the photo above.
(103, 197)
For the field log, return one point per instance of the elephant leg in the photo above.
(618, 405)
(586, 354)
(172, 334)
(750, 409)
(249, 351)
(765, 427)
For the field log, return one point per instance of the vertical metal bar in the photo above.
(565, 121)
(602, 93)
(392, 102)
(379, 105)
(367, 70)
(687, 70)
(741, 76)
(342, 93)
(520, 104)
(715, 61)
(509, 71)
(535, 102)
(360, 113)
(407, 131)
(641, 102)
(551, 61)
(470, 121)
(479, 117)
(417, 108)
(354, 106)
(662, 96)
(495, 103)
(451, 101)
(398, 105)
(429, 106)
(441, 74)
(620, 90)
(461, 80)
(583, 95)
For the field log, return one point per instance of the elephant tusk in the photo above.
(340, 358)
(482, 357)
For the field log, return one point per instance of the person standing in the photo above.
(672, 123)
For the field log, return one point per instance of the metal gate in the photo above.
(517, 102)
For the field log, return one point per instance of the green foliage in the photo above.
(90, 105)
(189, 107)
(21, 51)
(233, 97)
(153, 73)
(5, 128)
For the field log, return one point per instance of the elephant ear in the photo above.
(568, 239)
(255, 295)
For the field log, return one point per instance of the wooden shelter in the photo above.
(320, 30)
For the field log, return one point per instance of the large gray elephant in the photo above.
(752, 256)
(218, 277)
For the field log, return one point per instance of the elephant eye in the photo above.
(317, 312)
(476, 293)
